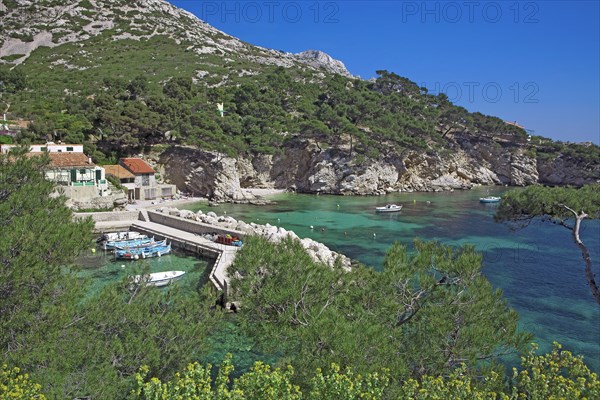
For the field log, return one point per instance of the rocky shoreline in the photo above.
(304, 167)
(317, 251)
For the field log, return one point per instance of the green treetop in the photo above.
(566, 207)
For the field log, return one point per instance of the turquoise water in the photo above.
(102, 268)
(539, 267)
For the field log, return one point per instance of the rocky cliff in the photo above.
(304, 167)
(319, 59)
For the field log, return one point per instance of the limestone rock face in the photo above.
(319, 59)
(523, 170)
(206, 174)
(305, 167)
(567, 170)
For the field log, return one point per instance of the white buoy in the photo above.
(312, 227)
(122, 265)
(136, 257)
(338, 205)
(374, 234)
(158, 253)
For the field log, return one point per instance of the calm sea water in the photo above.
(539, 268)
(101, 268)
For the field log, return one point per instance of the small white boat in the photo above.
(388, 208)
(489, 199)
(159, 279)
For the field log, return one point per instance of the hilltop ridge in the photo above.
(27, 25)
(145, 77)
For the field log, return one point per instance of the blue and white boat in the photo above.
(127, 243)
(138, 253)
(149, 244)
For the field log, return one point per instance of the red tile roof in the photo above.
(67, 160)
(137, 166)
(118, 171)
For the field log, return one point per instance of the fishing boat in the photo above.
(158, 279)
(119, 236)
(137, 253)
(149, 244)
(388, 208)
(122, 244)
(489, 199)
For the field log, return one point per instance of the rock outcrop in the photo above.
(319, 59)
(304, 167)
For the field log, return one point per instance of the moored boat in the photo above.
(159, 279)
(148, 244)
(489, 199)
(142, 252)
(388, 208)
(120, 236)
(127, 243)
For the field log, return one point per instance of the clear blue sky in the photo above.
(534, 62)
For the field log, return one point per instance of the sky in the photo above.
(533, 62)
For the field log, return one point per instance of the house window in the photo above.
(82, 171)
(69, 149)
(146, 180)
(150, 194)
(43, 149)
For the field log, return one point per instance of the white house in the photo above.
(69, 166)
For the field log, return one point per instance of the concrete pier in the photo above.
(222, 254)
(181, 233)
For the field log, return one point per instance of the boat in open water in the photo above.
(388, 208)
(489, 199)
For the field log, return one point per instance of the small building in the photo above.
(11, 127)
(144, 186)
(69, 166)
(74, 169)
(144, 173)
(49, 147)
(119, 173)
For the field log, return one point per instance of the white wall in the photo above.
(50, 147)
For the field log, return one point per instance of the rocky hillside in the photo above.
(30, 24)
(144, 77)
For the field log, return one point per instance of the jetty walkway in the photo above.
(181, 233)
